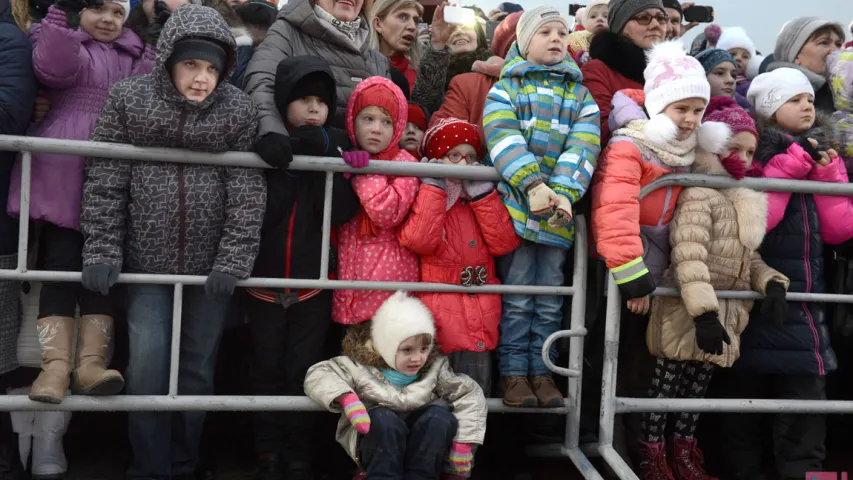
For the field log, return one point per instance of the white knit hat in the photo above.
(672, 75)
(125, 4)
(736, 37)
(590, 4)
(771, 90)
(399, 318)
(531, 20)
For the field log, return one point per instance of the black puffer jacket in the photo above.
(174, 218)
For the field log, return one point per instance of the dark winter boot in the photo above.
(516, 392)
(686, 460)
(10, 457)
(653, 465)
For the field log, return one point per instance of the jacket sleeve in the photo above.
(761, 274)
(432, 75)
(145, 63)
(386, 200)
(616, 218)
(57, 50)
(344, 200)
(834, 212)
(689, 234)
(573, 171)
(259, 78)
(423, 230)
(246, 189)
(467, 402)
(106, 191)
(17, 82)
(328, 380)
(507, 146)
(455, 104)
(793, 164)
(594, 78)
(495, 224)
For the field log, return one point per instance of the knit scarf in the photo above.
(675, 153)
(399, 62)
(397, 378)
(352, 30)
(454, 193)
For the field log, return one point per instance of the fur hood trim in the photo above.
(620, 54)
(358, 346)
(242, 37)
(773, 140)
(711, 136)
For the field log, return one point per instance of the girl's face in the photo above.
(817, 48)
(686, 114)
(549, 45)
(462, 154)
(374, 130)
(412, 355)
(595, 19)
(412, 137)
(343, 10)
(397, 31)
(744, 145)
(646, 28)
(463, 40)
(797, 114)
(195, 79)
(307, 111)
(722, 79)
(103, 22)
(742, 58)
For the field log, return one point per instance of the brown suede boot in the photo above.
(516, 392)
(546, 391)
(55, 340)
(93, 341)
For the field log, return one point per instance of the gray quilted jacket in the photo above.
(298, 31)
(157, 217)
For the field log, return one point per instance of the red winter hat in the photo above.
(418, 115)
(449, 133)
(505, 34)
(377, 95)
(726, 110)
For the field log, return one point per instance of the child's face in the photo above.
(412, 137)
(744, 145)
(412, 355)
(307, 111)
(722, 80)
(797, 114)
(103, 22)
(374, 130)
(462, 154)
(742, 58)
(195, 79)
(595, 19)
(686, 114)
(549, 45)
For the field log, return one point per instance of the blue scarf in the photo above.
(397, 378)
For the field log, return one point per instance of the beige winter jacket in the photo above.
(714, 235)
(358, 372)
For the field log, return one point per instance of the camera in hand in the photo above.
(699, 14)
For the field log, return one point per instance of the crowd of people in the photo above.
(575, 117)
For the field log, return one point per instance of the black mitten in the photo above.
(807, 146)
(774, 305)
(710, 333)
(72, 9)
(274, 148)
(309, 140)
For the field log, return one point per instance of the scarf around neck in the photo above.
(674, 152)
(352, 30)
(397, 378)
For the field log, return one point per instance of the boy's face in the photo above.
(686, 114)
(595, 19)
(549, 45)
(673, 24)
(722, 80)
(742, 58)
(374, 130)
(412, 355)
(797, 114)
(307, 111)
(195, 79)
(412, 137)
(103, 22)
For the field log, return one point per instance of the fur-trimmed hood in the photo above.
(358, 346)
(620, 54)
(773, 140)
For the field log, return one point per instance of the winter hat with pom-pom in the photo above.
(726, 110)
(712, 35)
(671, 75)
(736, 37)
(397, 319)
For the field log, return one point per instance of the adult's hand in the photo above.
(441, 30)
(685, 27)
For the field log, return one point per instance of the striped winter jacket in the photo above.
(541, 124)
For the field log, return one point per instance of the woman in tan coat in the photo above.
(714, 236)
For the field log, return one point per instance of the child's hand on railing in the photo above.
(710, 333)
(220, 284)
(355, 412)
(639, 306)
(100, 278)
(562, 214)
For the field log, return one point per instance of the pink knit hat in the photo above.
(726, 110)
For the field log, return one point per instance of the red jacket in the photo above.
(465, 99)
(448, 241)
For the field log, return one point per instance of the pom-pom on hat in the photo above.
(397, 319)
(713, 57)
(736, 37)
(671, 75)
(726, 110)
(712, 34)
(769, 91)
(447, 134)
(418, 115)
(530, 22)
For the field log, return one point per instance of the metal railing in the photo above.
(172, 401)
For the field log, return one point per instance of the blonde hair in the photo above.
(383, 8)
(21, 13)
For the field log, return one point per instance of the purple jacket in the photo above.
(76, 73)
(740, 95)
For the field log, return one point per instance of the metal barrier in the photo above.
(173, 401)
(611, 404)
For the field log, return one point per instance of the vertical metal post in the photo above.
(573, 418)
(177, 308)
(24, 220)
(327, 226)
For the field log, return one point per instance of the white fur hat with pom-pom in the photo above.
(397, 319)
(736, 37)
(672, 75)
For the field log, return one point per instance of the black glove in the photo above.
(710, 333)
(807, 146)
(100, 278)
(161, 16)
(72, 9)
(275, 149)
(774, 305)
(309, 140)
(220, 284)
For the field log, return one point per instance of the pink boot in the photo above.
(653, 464)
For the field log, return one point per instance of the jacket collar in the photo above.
(300, 14)
(620, 55)
(518, 66)
(817, 81)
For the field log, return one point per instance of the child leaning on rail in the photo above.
(174, 218)
(404, 413)
(714, 235)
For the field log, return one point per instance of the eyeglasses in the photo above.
(458, 157)
(644, 18)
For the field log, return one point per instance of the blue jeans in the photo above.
(528, 320)
(412, 449)
(167, 444)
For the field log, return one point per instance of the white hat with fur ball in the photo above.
(399, 318)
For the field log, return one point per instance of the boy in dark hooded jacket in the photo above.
(170, 218)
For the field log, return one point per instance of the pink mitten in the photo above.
(355, 412)
(357, 159)
(461, 458)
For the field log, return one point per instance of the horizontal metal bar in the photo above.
(760, 184)
(752, 295)
(190, 403)
(627, 405)
(546, 348)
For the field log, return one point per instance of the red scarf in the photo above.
(402, 64)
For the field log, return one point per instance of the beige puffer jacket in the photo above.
(358, 371)
(714, 236)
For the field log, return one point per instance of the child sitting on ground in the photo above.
(404, 412)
